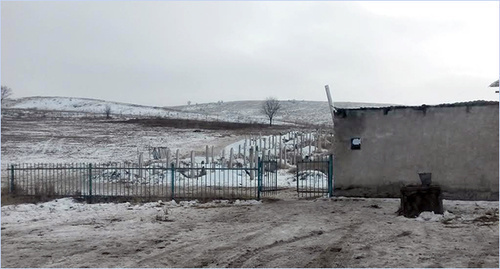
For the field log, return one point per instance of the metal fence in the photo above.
(315, 177)
(269, 178)
(124, 181)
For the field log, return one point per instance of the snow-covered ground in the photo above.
(292, 111)
(58, 129)
(315, 112)
(44, 137)
(34, 138)
(281, 232)
(339, 232)
(86, 105)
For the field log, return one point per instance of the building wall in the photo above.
(457, 144)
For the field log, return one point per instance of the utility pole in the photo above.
(330, 163)
(330, 103)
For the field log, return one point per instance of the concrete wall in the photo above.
(458, 144)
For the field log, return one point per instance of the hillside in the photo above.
(292, 111)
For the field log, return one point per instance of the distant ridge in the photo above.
(292, 111)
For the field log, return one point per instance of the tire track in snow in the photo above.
(240, 260)
(336, 254)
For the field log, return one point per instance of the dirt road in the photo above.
(341, 232)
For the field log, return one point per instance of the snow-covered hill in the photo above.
(87, 105)
(292, 111)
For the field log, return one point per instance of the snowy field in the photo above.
(68, 134)
(33, 138)
(60, 129)
(339, 232)
(293, 111)
(280, 232)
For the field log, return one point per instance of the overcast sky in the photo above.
(169, 53)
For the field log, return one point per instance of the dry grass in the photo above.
(199, 124)
(21, 196)
(13, 199)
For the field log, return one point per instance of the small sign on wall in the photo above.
(355, 143)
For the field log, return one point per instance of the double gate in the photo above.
(315, 177)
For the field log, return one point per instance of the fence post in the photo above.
(245, 153)
(297, 175)
(11, 189)
(90, 183)
(177, 158)
(330, 176)
(310, 137)
(251, 160)
(318, 141)
(212, 155)
(141, 160)
(168, 157)
(259, 178)
(294, 155)
(207, 160)
(173, 180)
(191, 173)
(231, 158)
(280, 153)
(301, 149)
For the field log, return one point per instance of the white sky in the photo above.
(168, 53)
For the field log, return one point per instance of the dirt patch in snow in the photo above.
(198, 124)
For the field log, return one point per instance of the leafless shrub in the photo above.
(6, 92)
(107, 111)
(44, 191)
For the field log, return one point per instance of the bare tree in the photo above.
(270, 107)
(107, 111)
(6, 92)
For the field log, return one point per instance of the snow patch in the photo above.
(429, 216)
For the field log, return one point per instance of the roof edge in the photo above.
(457, 104)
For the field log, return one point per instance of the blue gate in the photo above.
(315, 177)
